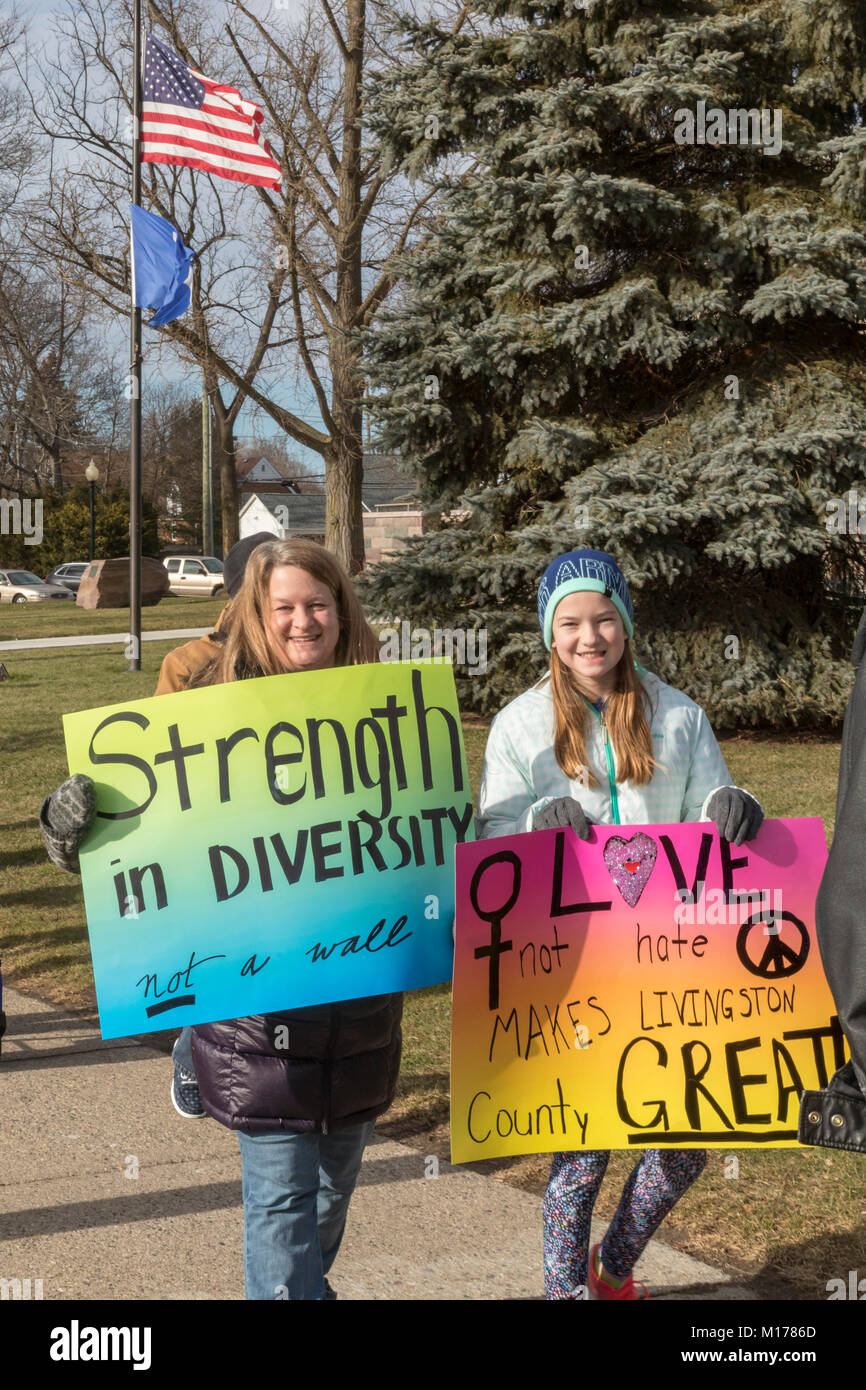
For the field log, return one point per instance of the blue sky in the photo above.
(300, 399)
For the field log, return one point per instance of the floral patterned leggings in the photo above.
(653, 1187)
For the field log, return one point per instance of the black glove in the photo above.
(835, 1118)
(738, 816)
(65, 819)
(563, 811)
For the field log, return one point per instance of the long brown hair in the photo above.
(247, 649)
(624, 715)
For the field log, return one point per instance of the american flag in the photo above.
(188, 119)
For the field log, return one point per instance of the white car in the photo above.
(20, 586)
(195, 574)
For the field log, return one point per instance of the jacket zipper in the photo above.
(611, 780)
(333, 1025)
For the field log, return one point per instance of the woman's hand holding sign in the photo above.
(66, 817)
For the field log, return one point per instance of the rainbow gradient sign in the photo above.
(271, 843)
(651, 987)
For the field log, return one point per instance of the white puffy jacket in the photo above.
(521, 774)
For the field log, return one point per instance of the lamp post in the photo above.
(91, 473)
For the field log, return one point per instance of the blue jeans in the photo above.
(182, 1050)
(296, 1191)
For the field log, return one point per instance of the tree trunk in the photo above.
(54, 453)
(344, 527)
(344, 524)
(224, 465)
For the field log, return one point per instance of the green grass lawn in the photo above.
(21, 621)
(791, 1220)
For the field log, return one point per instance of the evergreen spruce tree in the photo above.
(638, 326)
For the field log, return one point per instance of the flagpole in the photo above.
(133, 651)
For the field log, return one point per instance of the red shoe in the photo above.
(599, 1288)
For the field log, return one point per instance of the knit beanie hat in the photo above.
(236, 560)
(578, 570)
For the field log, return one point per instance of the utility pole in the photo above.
(206, 470)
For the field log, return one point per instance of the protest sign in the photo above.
(651, 987)
(271, 843)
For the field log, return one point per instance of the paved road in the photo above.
(103, 639)
(105, 1192)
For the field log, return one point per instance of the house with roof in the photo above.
(270, 501)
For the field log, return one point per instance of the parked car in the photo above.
(20, 586)
(69, 575)
(195, 574)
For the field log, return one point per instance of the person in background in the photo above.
(600, 739)
(179, 665)
(835, 1118)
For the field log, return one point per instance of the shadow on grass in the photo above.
(427, 1109)
(56, 895)
(803, 1271)
(56, 937)
(10, 859)
(422, 1081)
(29, 824)
(23, 739)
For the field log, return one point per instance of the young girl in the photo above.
(600, 739)
(303, 1087)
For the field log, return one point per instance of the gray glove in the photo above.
(738, 816)
(65, 819)
(563, 811)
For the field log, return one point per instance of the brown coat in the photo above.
(179, 665)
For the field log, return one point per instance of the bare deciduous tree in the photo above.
(290, 288)
(58, 399)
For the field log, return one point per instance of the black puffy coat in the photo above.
(836, 1118)
(315, 1069)
(337, 1067)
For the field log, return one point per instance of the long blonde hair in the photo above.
(624, 715)
(247, 650)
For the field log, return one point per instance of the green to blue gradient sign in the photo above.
(271, 843)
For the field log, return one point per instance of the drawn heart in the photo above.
(630, 863)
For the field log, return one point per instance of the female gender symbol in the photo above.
(494, 916)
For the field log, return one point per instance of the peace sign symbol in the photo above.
(778, 958)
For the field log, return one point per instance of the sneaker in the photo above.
(185, 1094)
(600, 1288)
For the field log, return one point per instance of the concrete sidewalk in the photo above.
(105, 1192)
(100, 639)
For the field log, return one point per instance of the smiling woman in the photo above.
(302, 619)
(296, 611)
(302, 1088)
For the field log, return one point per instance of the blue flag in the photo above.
(160, 267)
